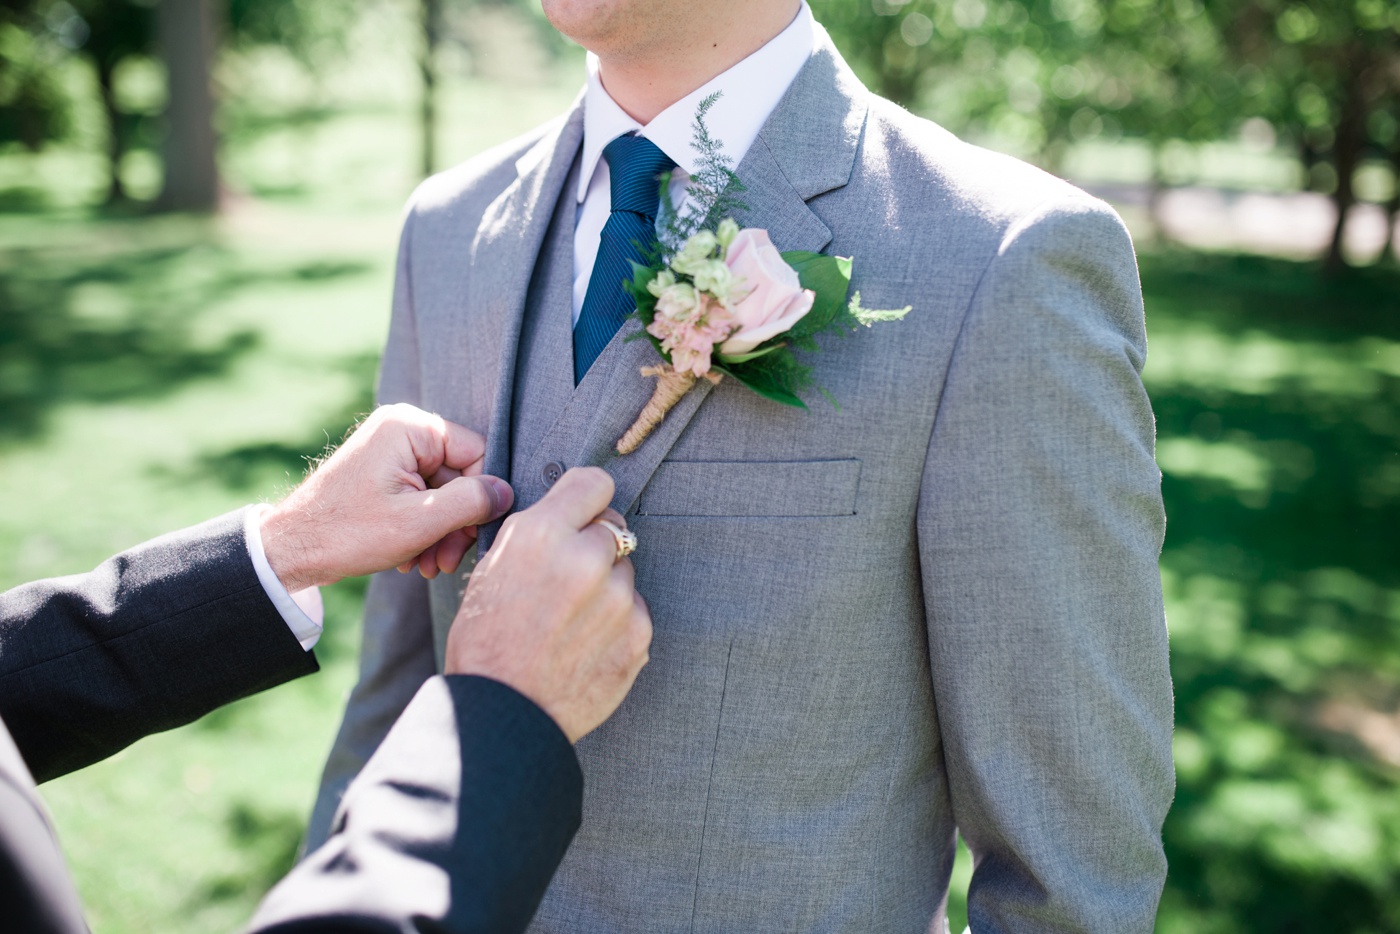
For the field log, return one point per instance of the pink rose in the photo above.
(773, 299)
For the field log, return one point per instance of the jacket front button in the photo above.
(552, 472)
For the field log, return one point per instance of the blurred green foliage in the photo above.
(1278, 404)
(33, 107)
(1042, 74)
(1038, 76)
(1034, 76)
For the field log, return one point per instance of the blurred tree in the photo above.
(1392, 210)
(188, 43)
(430, 13)
(185, 34)
(1385, 131)
(33, 109)
(1040, 75)
(1336, 68)
(106, 32)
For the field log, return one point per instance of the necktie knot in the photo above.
(635, 165)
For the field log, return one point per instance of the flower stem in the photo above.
(670, 387)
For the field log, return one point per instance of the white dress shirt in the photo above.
(302, 611)
(750, 91)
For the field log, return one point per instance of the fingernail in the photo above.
(502, 496)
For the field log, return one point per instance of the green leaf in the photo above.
(768, 389)
(642, 275)
(646, 304)
(746, 357)
(870, 316)
(776, 375)
(829, 278)
(637, 288)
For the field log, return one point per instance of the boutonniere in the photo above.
(719, 300)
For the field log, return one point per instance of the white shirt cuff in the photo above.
(302, 611)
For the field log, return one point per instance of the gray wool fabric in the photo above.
(932, 611)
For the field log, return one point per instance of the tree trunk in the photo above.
(188, 42)
(1392, 210)
(432, 34)
(116, 133)
(1309, 157)
(1346, 153)
(1156, 195)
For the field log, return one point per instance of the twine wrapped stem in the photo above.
(670, 387)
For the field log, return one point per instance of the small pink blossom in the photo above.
(773, 298)
(689, 332)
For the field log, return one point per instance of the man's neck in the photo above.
(646, 83)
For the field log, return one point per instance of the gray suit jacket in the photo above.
(935, 610)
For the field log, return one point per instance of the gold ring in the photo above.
(625, 539)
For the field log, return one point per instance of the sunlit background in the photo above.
(198, 211)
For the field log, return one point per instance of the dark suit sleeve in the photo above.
(456, 824)
(152, 639)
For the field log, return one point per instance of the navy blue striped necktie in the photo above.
(635, 165)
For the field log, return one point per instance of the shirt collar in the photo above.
(750, 90)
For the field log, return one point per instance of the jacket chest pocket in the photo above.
(768, 489)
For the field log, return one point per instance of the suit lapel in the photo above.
(774, 204)
(807, 147)
(502, 258)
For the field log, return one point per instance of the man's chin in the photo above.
(590, 23)
(614, 29)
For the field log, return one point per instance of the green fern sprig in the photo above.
(713, 191)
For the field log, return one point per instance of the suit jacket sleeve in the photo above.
(152, 639)
(1040, 524)
(456, 824)
(396, 650)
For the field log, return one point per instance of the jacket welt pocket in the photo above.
(766, 488)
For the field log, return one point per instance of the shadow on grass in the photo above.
(1278, 404)
(133, 324)
(267, 847)
(24, 200)
(252, 466)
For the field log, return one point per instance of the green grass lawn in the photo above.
(157, 371)
(154, 372)
(1278, 404)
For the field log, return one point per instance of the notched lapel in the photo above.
(502, 259)
(807, 147)
(772, 203)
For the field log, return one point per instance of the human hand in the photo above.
(405, 488)
(550, 611)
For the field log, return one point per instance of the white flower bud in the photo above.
(714, 277)
(662, 281)
(679, 302)
(726, 232)
(695, 252)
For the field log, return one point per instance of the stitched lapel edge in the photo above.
(502, 260)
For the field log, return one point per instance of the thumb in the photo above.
(463, 502)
